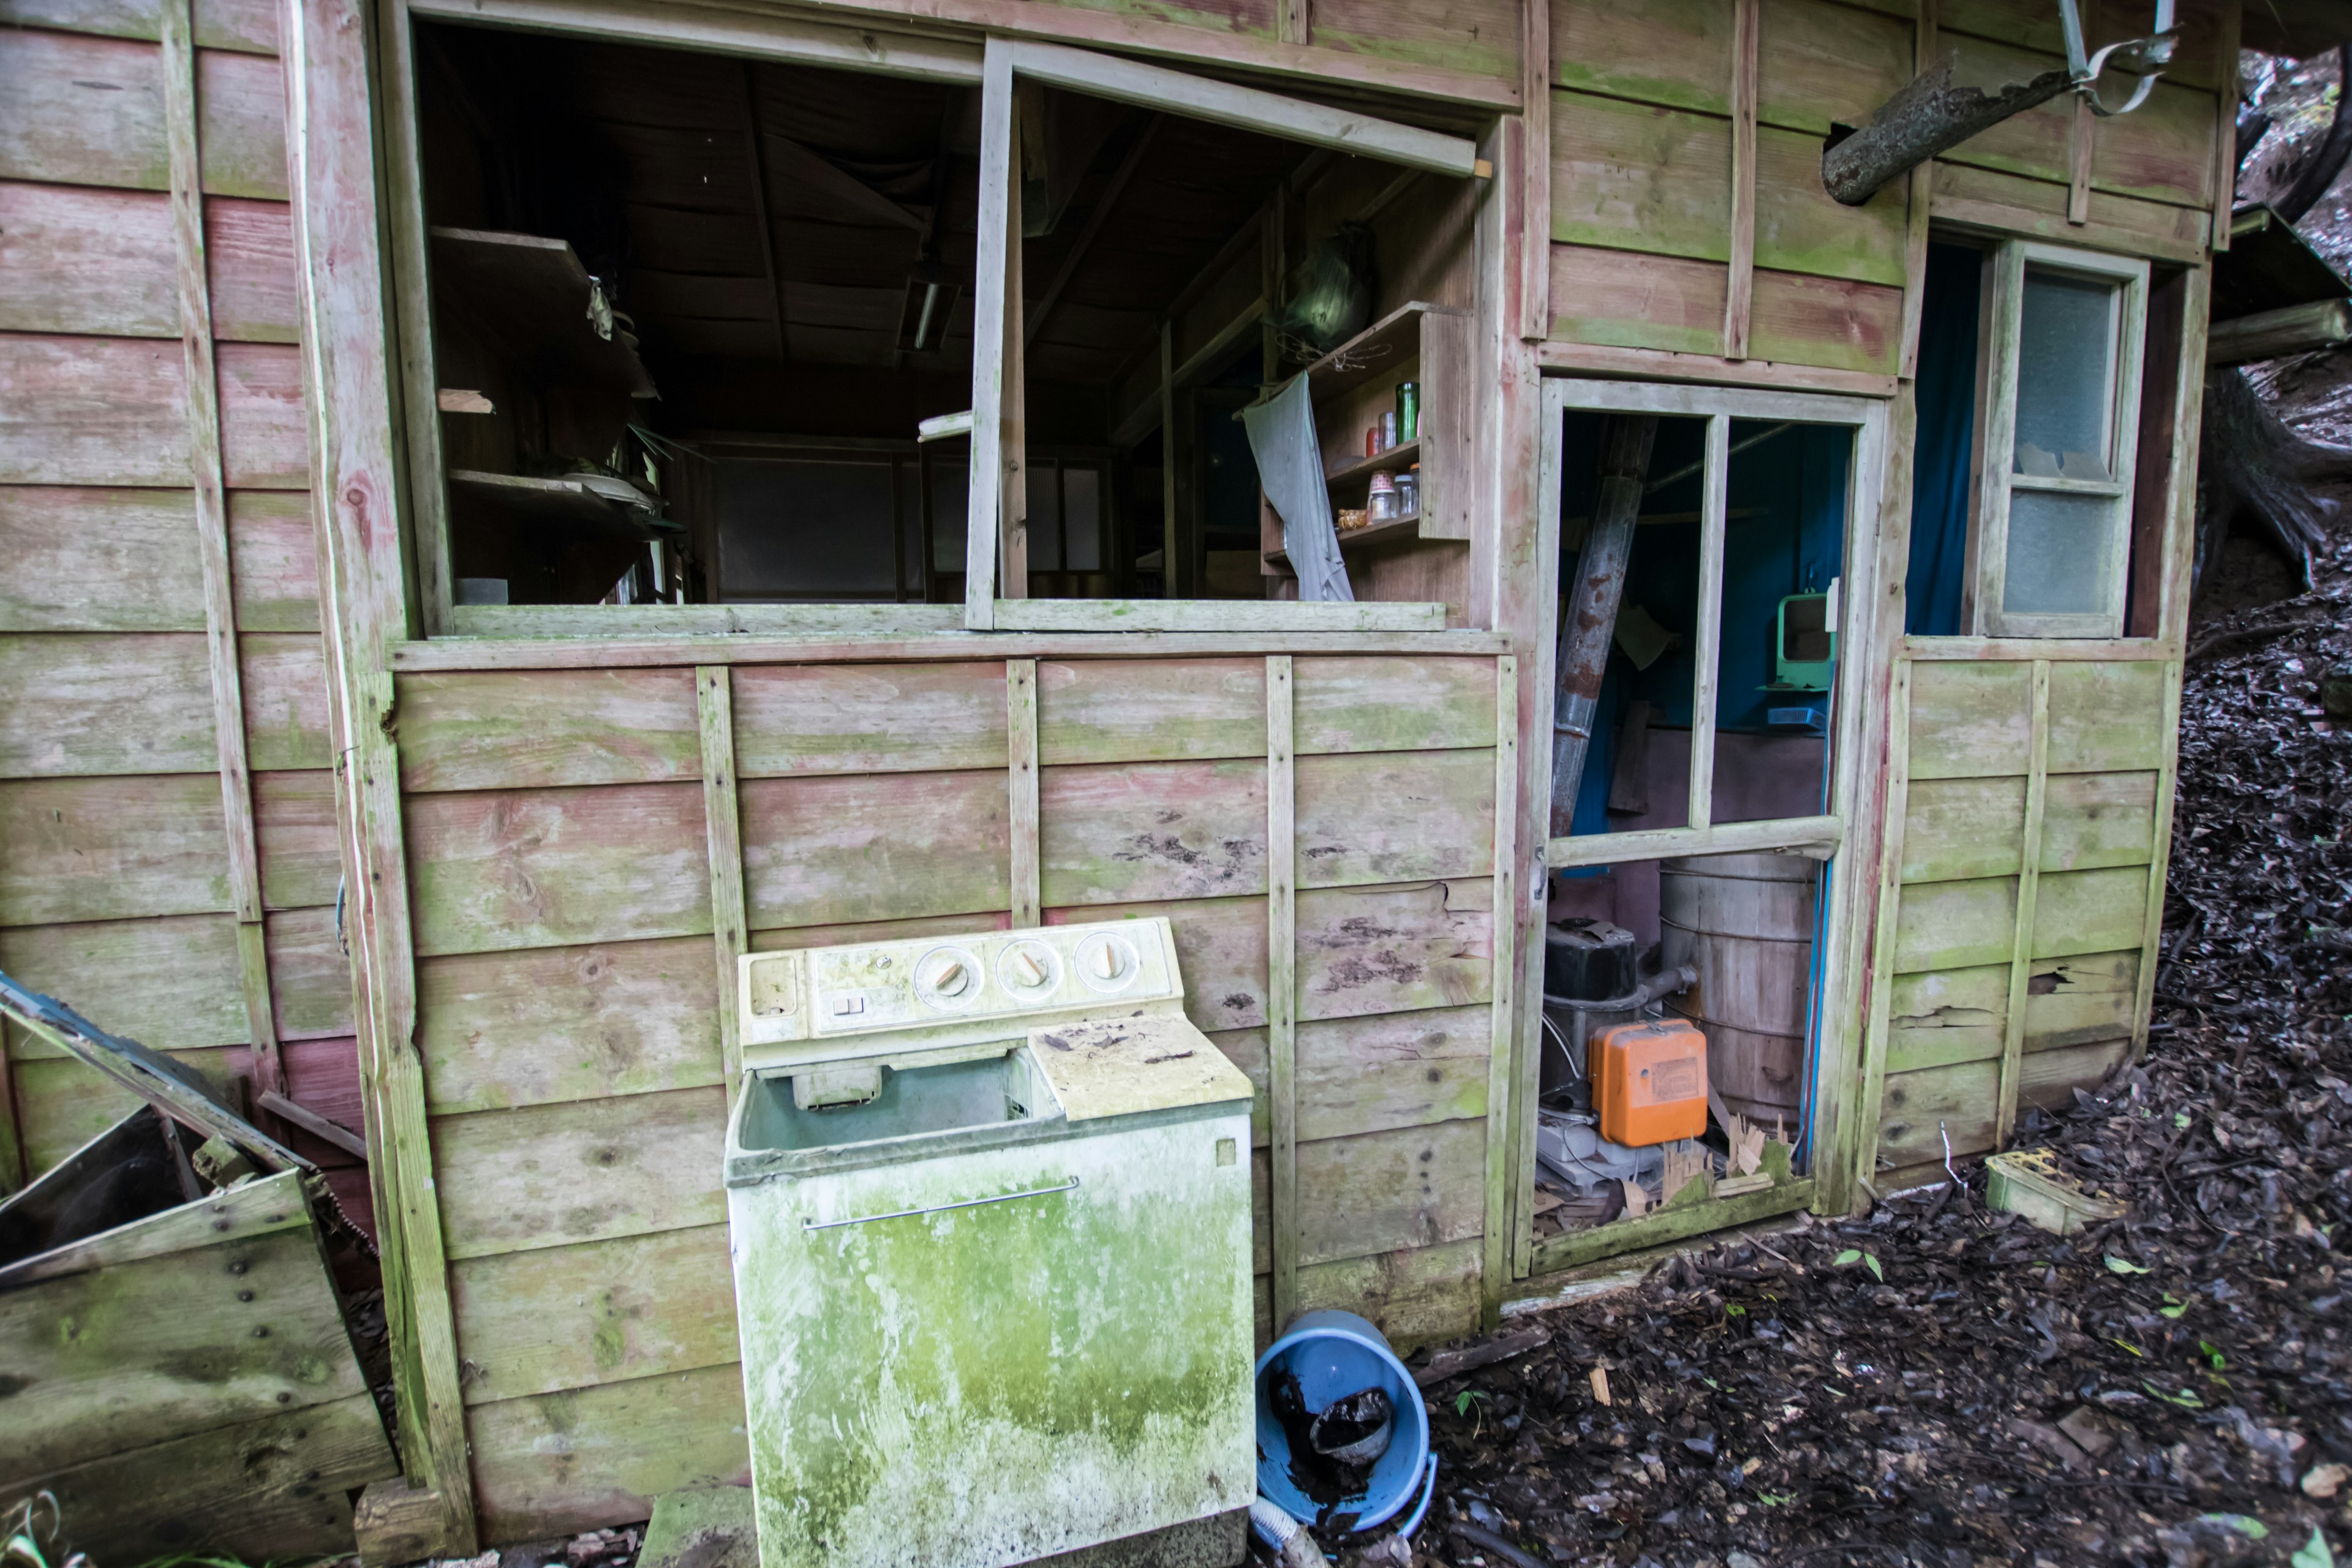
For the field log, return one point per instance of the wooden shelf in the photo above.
(1380, 347)
(592, 503)
(531, 295)
(1401, 457)
(1395, 530)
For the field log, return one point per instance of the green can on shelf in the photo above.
(1408, 411)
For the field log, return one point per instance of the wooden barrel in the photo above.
(1746, 924)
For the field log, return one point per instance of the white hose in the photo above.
(1292, 1547)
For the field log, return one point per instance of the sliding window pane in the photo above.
(2061, 553)
(2065, 378)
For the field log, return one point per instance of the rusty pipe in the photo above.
(1588, 620)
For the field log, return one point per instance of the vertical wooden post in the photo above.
(412, 318)
(1170, 492)
(338, 273)
(1282, 987)
(731, 939)
(2225, 134)
(1707, 646)
(1739, 297)
(1872, 1102)
(1021, 734)
(1506, 1178)
(1012, 561)
(1920, 207)
(2029, 882)
(1293, 21)
(991, 279)
(2168, 782)
(180, 114)
(1535, 164)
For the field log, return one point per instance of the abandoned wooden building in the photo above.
(510, 506)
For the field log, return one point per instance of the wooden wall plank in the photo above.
(1958, 830)
(598, 1312)
(868, 719)
(248, 24)
(1389, 703)
(2200, 58)
(1388, 1071)
(284, 697)
(1280, 817)
(81, 259)
(542, 728)
(730, 935)
(1394, 817)
(241, 129)
(1394, 950)
(1624, 299)
(558, 1463)
(1150, 832)
(1819, 62)
(1480, 37)
(2037, 209)
(1969, 721)
(1246, 1049)
(2080, 1001)
(541, 1176)
(2050, 1078)
(2089, 911)
(1382, 1192)
(249, 249)
(1023, 845)
(170, 982)
(2162, 151)
(274, 561)
(1423, 1295)
(2098, 819)
(99, 560)
(1119, 710)
(822, 850)
(112, 848)
(856, 932)
(264, 425)
(2106, 718)
(91, 411)
(82, 111)
(1920, 1107)
(74, 705)
(557, 868)
(309, 977)
(294, 825)
(62, 1104)
(1221, 948)
(1950, 996)
(498, 1031)
(1953, 925)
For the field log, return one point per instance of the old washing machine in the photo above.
(988, 1199)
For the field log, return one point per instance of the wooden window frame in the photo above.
(1819, 836)
(992, 550)
(1995, 483)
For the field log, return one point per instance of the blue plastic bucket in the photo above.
(1334, 1354)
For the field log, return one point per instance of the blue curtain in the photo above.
(1939, 472)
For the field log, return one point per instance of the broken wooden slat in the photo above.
(1386, 817)
(1393, 950)
(1453, 1363)
(1127, 833)
(310, 1122)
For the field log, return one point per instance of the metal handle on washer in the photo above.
(940, 1208)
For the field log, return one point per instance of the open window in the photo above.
(1717, 558)
(840, 338)
(2031, 370)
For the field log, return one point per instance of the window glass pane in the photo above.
(950, 498)
(2065, 374)
(1045, 517)
(1082, 518)
(806, 530)
(2061, 553)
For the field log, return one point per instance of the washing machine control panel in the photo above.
(947, 988)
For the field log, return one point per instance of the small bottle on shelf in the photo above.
(1382, 502)
(1408, 411)
(1408, 492)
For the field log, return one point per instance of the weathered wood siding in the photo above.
(120, 891)
(1643, 183)
(569, 1006)
(2023, 926)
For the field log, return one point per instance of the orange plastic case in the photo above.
(1649, 1082)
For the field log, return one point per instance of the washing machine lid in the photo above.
(1118, 1067)
(926, 994)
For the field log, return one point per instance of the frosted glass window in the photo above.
(2065, 377)
(1045, 518)
(1082, 518)
(950, 504)
(2060, 552)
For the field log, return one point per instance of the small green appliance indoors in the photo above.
(989, 1204)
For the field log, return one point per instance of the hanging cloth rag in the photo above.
(1290, 467)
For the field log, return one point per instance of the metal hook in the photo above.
(2155, 51)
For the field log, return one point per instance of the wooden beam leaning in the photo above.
(1246, 108)
(176, 30)
(1282, 987)
(2168, 782)
(1021, 766)
(1505, 1176)
(2029, 882)
(350, 400)
(1877, 1020)
(722, 827)
(990, 289)
(1741, 296)
(754, 140)
(1707, 650)
(2272, 334)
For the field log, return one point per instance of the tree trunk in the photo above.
(2250, 465)
(1928, 115)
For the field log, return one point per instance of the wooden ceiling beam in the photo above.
(753, 140)
(1095, 221)
(831, 178)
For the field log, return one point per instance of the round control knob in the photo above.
(1107, 962)
(947, 977)
(1028, 968)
